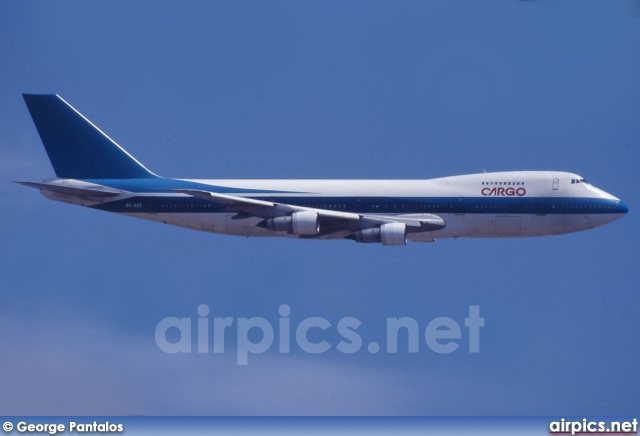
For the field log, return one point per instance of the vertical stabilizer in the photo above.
(77, 149)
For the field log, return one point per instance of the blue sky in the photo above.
(321, 90)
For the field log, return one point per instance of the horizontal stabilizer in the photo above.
(70, 190)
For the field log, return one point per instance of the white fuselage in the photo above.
(503, 204)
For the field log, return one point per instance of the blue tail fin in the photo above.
(77, 149)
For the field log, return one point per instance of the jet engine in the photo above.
(388, 234)
(299, 223)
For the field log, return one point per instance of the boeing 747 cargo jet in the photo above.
(93, 171)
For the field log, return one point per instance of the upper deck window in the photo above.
(505, 183)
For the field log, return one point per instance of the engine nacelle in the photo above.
(299, 223)
(388, 234)
(305, 223)
(393, 234)
(368, 235)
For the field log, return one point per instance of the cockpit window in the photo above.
(574, 181)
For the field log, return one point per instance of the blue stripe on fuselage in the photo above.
(380, 205)
(161, 185)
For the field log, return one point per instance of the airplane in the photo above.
(94, 171)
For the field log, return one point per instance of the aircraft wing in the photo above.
(269, 209)
(263, 209)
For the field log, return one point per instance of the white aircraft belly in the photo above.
(458, 225)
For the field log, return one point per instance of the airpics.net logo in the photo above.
(313, 335)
